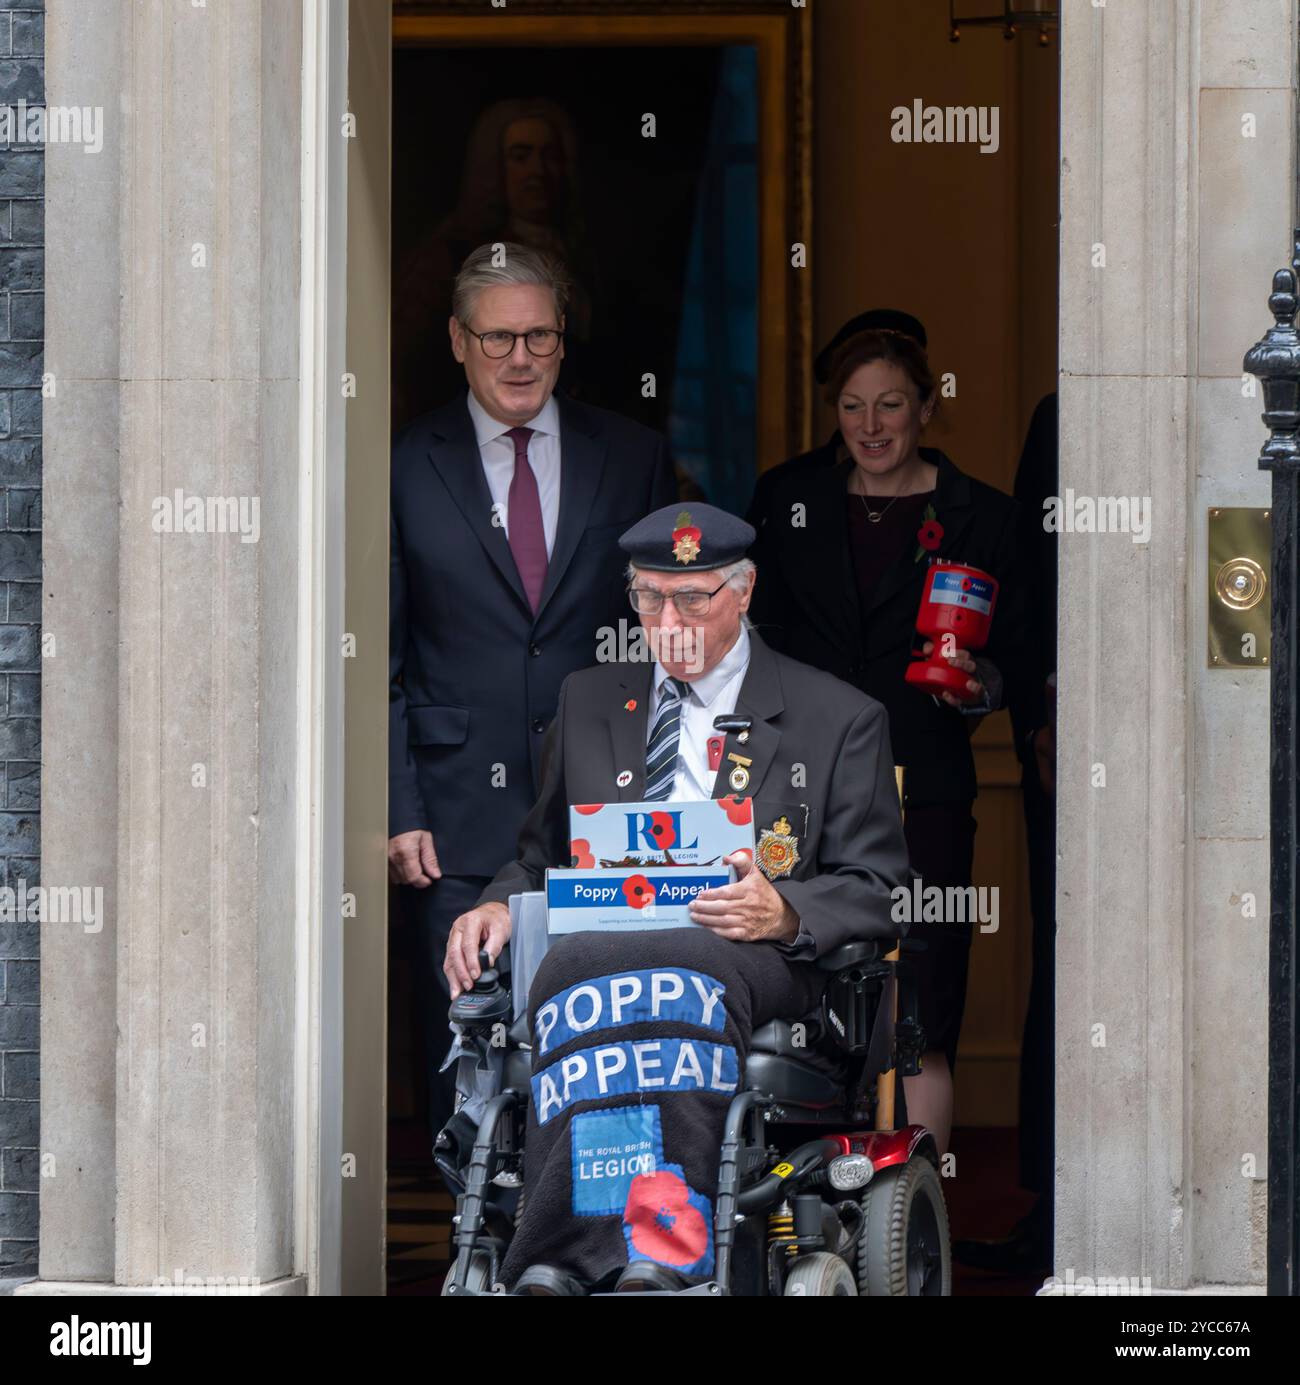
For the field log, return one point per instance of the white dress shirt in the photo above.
(497, 453)
(712, 695)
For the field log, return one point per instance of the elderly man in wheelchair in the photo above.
(706, 1109)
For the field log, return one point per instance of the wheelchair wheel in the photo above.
(904, 1251)
(478, 1277)
(820, 1275)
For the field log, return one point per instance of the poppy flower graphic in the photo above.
(662, 830)
(662, 1223)
(580, 857)
(630, 705)
(638, 891)
(587, 808)
(738, 810)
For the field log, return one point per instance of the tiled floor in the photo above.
(419, 1230)
(419, 1214)
(983, 1201)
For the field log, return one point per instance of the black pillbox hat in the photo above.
(877, 320)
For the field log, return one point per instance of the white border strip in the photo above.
(318, 865)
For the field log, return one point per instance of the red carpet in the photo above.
(984, 1202)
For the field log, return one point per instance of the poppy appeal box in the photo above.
(639, 865)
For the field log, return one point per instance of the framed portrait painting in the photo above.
(662, 152)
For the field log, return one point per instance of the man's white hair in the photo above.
(735, 575)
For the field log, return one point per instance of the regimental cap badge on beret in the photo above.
(686, 539)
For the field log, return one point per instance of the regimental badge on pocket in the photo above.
(777, 850)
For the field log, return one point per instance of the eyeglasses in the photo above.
(648, 602)
(540, 341)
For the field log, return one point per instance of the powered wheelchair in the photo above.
(819, 1190)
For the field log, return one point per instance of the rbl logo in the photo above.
(658, 832)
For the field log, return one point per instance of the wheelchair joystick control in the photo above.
(487, 1000)
(487, 973)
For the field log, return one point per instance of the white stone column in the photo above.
(1161, 986)
(79, 682)
(168, 1084)
(1245, 214)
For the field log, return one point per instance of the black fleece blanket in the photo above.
(639, 1042)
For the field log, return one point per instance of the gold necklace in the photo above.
(875, 516)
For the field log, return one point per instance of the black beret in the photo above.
(877, 320)
(687, 538)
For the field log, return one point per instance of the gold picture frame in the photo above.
(781, 35)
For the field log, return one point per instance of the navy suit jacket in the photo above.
(474, 675)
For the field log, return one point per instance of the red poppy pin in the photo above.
(630, 705)
(929, 536)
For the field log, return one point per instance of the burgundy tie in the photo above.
(524, 521)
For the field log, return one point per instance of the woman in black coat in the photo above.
(845, 537)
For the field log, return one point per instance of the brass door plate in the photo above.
(1240, 600)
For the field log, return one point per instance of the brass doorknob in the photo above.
(1240, 583)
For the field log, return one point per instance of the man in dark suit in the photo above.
(507, 505)
(815, 759)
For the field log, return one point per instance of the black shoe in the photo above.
(545, 1281)
(644, 1276)
(1026, 1251)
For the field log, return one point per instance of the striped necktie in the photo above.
(661, 752)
